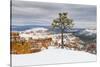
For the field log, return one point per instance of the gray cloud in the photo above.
(27, 12)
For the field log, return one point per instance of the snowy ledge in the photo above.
(52, 56)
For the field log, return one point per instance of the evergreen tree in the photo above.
(62, 22)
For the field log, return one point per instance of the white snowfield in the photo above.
(52, 55)
(36, 29)
(88, 32)
(35, 33)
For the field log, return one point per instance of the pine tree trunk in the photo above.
(62, 43)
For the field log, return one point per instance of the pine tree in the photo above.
(62, 22)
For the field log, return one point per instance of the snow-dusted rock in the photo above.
(35, 33)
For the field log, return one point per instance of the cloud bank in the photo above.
(40, 13)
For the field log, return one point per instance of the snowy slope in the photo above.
(88, 32)
(35, 33)
(52, 56)
(36, 29)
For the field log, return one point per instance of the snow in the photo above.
(37, 29)
(52, 56)
(37, 36)
(91, 31)
(34, 34)
(88, 32)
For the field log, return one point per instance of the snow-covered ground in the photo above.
(35, 33)
(88, 32)
(52, 56)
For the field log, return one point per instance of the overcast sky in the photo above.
(39, 13)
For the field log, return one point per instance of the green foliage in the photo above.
(62, 22)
